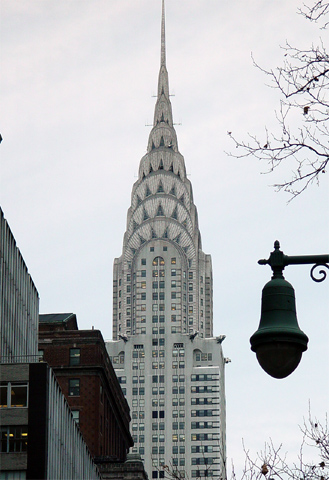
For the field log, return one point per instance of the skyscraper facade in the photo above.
(169, 364)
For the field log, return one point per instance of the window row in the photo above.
(204, 448)
(138, 391)
(180, 413)
(135, 414)
(140, 365)
(158, 365)
(201, 437)
(205, 389)
(206, 377)
(176, 449)
(178, 365)
(158, 450)
(205, 473)
(199, 425)
(204, 413)
(178, 390)
(158, 353)
(204, 401)
(203, 460)
(158, 426)
(178, 425)
(138, 426)
(203, 357)
(158, 260)
(155, 473)
(180, 460)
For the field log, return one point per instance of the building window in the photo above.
(158, 261)
(143, 284)
(13, 395)
(161, 273)
(173, 272)
(173, 283)
(143, 273)
(13, 439)
(74, 387)
(143, 261)
(151, 249)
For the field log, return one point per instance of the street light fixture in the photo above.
(279, 342)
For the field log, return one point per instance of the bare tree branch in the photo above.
(303, 117)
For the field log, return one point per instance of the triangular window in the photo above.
(182, 199)
(174, 213)
(160, 188)
(142, 239)
(133, 250)
(153, 146)
(148, 191)
(165, 233)
(154, 235)
(161, 165)
(160, 211)
(171, 168)
(161, 142)
(135, 225)
(184, 223)
(185, 249)
(173, 190)
(151, 169)
(145, 215)
(139, 200)
(177, 239)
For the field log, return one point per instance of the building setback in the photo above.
(170, 366)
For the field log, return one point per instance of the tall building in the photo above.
(19, 302)
(39, 438)
(170, 366)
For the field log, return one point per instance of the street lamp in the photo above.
(279, 342)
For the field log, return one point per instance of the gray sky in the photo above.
(77, 79)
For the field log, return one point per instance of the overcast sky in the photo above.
(77, 79)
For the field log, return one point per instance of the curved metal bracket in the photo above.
(323, 273)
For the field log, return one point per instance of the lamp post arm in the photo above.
(278, 261)
(306, 259)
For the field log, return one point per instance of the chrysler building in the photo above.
(170, 366)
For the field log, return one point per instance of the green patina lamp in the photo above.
(279, 342)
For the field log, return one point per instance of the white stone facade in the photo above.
(170, 366)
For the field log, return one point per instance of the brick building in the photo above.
(85, 374)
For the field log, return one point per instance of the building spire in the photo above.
(163, 37)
